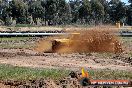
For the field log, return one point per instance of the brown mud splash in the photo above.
(94, 40)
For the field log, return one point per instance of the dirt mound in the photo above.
(41, 83)
(94, 40)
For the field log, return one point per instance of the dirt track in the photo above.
(28, 58)
(41, 83)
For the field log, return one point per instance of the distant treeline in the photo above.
(64, 12)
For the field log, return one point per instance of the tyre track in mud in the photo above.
(29, 58)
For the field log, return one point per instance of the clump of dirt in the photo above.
(70, 83)
(41, 83)
(94, 40)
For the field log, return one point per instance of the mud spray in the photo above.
(95, 40)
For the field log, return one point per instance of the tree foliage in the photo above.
(61, 12)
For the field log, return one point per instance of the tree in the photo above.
(50, 10)
(36, 11)
(117, 11)
(56, 11)
(106, 18)
(129, 13)
(63, 11)
(68, 14)
(19, 10)
(75, 5)
(5, 12)
(97, 11)
(85, 10)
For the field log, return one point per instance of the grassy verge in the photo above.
(14, 38)
(16, 46)
(110, 74)
(16, 42)
(24, 25)
(24, 73)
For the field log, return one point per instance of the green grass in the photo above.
(23, 73)
(62, 26)
(24, 25)
(12, 42)
(13, 38)
(110, 74)
(22, 46)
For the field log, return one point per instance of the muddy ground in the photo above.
(41, 83)
(28, 57)
(20, 52)
(33, 59)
